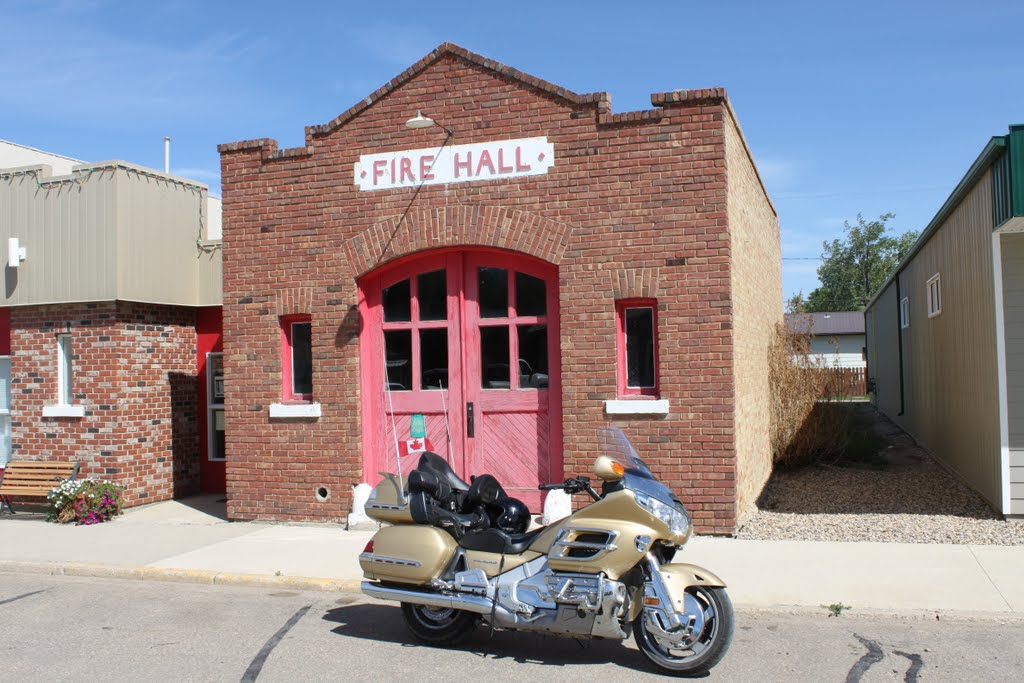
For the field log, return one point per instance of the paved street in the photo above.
(67, 628)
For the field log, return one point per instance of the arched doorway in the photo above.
(459, 350)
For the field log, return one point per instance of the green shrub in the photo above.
(85, 501)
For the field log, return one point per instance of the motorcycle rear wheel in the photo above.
(438, 625)
(706, 650)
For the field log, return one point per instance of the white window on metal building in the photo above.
(905, 313)
(934, 296)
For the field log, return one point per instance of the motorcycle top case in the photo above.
(411, 554)
(388, 502)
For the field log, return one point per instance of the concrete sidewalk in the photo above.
(190, 542)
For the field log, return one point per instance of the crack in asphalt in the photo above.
(23, 595)
(253, 672)
(860, 667)
(916, 664)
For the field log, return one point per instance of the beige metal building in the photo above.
(945, 334)
(111, 295)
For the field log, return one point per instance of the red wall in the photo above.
(635, 206)
(210, 339)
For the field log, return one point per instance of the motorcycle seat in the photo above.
(497, 541)
(432, 462)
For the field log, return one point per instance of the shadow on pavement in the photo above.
(384, 624)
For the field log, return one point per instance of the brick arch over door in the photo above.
(453, 226)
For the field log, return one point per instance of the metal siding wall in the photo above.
(951, 393)
(882, 329)
(157, 230)
(67, 228)
(1013, 311)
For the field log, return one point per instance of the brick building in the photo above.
(101, 321)
(498, 285)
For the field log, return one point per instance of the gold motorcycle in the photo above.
(456, 555)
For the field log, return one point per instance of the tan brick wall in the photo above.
(757, 307)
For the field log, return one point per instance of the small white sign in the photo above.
(455, 164)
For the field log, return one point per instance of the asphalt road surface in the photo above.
(74, 629)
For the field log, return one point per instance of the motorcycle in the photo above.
(456, 555)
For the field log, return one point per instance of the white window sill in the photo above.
(636, 407)
(294, 410)
(63, 411)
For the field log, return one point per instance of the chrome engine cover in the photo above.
(534, 598)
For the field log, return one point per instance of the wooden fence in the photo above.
(846, 382)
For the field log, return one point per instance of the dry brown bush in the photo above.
(806, 426)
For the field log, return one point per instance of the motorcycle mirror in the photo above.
(608, 469)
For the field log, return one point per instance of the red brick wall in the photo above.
(134, 373)
(643, 196)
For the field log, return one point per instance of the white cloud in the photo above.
(777, 173)
(397, 44)
(206, 175)
(60, 62)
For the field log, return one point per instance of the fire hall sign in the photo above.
(455, 164)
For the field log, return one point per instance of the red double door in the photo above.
(469, 341)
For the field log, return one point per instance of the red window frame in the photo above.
(287, 361)
(622, 371)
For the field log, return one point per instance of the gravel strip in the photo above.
(913, 500)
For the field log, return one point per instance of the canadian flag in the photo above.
(411, 446)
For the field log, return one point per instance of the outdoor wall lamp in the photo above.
(420, 121)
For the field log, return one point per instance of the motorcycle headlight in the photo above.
(674, 517)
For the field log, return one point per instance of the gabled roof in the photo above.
(826, 324)
(601, 102)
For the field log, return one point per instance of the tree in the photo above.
(853, 268)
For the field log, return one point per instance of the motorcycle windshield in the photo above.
(614, 443)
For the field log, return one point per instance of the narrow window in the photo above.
(297, 358)
(905, 313)
(5, 410)
(215, 406)
(64, 369)
(934, 296)
(637, 347)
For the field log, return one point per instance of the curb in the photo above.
(197, 576)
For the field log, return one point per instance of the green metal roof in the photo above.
(1007, 153)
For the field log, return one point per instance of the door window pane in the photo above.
(217, 440)
(531, 295)
(640, 347)
(302, 359)
(533, 356)
(396, 303)
(434, 359)
(432, 295)
(494, 372)
(493, 293)
(398, 355)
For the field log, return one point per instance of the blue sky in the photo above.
(849, 107)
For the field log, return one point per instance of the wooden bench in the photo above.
(27, 479)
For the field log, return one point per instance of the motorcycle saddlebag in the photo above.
(411, 554)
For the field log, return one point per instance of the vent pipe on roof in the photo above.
(167, 154)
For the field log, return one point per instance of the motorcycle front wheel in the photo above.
(705, 649)
(438, 625)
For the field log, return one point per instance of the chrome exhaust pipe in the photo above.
(468, 603)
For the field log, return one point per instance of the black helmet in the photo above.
(513, 517)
